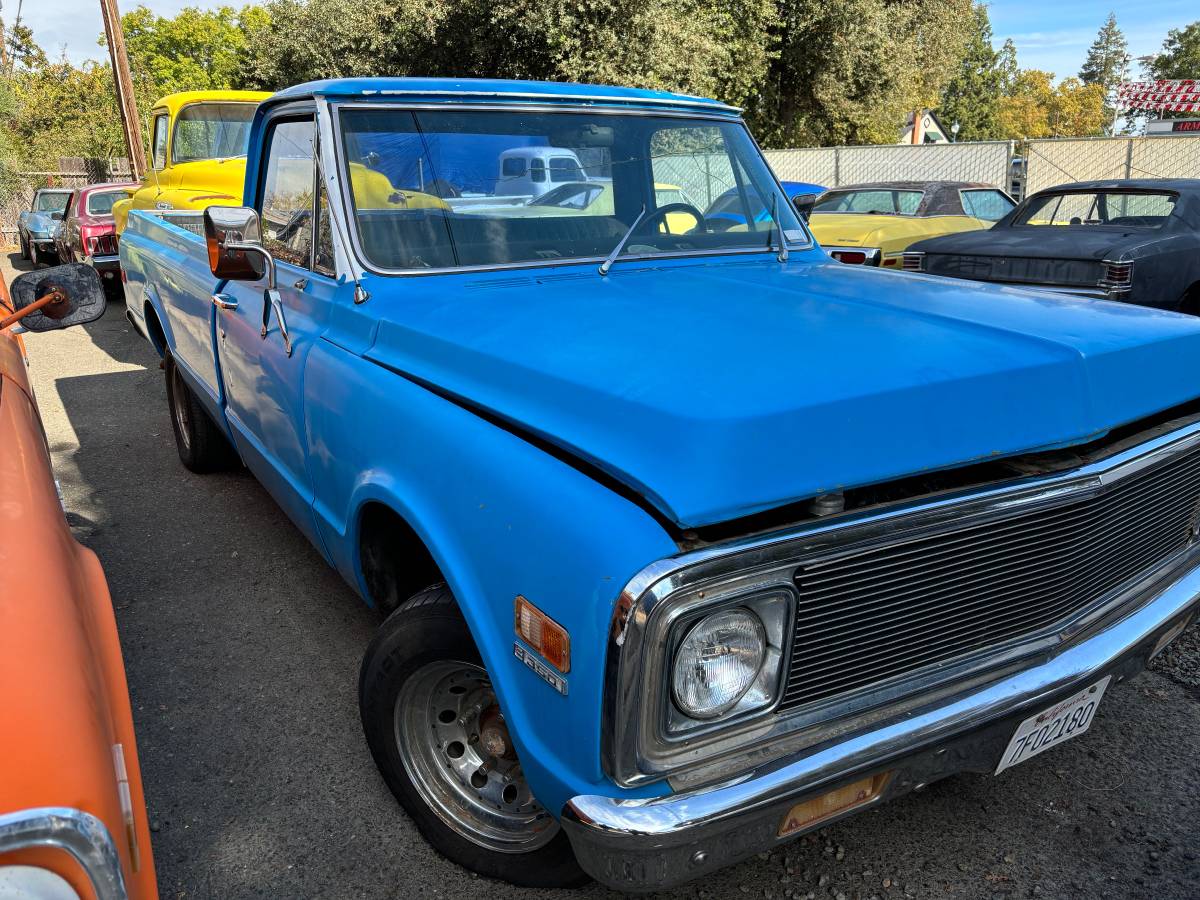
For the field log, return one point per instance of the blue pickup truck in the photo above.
(687, 540)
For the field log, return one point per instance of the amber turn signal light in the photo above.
(543, 634)
(808, 814)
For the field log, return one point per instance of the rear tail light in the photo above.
(914, 262)
(850, 257)
(1118, 276)
(102, 245)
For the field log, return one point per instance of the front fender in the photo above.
(501, 518)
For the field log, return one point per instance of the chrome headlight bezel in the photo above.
(773, 609)
(637, 705)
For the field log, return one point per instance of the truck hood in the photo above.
(216, 176)
(40, 223)
(723, 388)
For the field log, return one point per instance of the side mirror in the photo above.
(235, 249)
(60, 297)
(56, 216)
(804, 204)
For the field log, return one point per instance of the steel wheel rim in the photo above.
(178, 408)
(483, 798)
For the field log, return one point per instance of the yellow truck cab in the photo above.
(872, 224)
(197, 152)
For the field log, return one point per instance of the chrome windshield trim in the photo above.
(523, 98)
(365, 265)
(633, 754)
(72, 831)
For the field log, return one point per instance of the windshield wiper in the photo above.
(616, 251)
(783, 250)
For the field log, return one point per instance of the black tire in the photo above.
(24, 249)
(429, 629)
(34, 256)
(201, 444)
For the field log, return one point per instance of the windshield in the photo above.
(101, 203)
(444, 189)
(51, 201)
(212, 131)
(875, 200)
(1088, 208)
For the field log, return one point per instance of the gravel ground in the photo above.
(242, 650)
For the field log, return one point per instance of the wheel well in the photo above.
(155, 330)
(395, 561)
(1190, 303)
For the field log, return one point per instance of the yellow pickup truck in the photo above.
(198, 152)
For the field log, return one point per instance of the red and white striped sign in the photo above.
(1170, 96)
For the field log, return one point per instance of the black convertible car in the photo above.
(1135, 240)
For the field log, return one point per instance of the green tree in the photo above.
(23, 52)
(849, 71)
(1180, 56)
(1107, 62)
(1036, 108)
(972, 96)
(838, 71)
(194, 50)
(693, 45)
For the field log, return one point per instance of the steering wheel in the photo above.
(662, 212)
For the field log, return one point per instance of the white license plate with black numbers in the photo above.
(1064, 720)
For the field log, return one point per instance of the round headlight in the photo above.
(717, 662)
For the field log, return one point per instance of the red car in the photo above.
(87, 233)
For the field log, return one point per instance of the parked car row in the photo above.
(691, 533)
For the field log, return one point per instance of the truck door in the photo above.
(264, 383)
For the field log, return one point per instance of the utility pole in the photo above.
(123, 86)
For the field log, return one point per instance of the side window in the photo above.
(991, 206)
(287, 192)
(159, 142)
(512, 167)
(564, 168)
(324, 262)
(537, 170)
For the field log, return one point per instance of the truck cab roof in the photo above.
(492, 89)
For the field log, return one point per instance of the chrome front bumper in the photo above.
(645, 845)
(79, 834)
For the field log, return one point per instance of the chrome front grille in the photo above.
(888, 611)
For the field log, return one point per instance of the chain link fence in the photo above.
(988, 162)
(1055, 161)
(71, 172)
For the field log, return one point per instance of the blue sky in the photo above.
(1055, 34)
(1049, 34)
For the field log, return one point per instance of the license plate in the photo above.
(1061, 722)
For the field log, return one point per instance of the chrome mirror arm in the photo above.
(260, 251)
(272, 300)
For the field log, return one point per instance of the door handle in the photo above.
(224, 301)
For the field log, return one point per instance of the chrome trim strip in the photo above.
(72, 831)
(633, 754)
(103, 260)
(648, 844)
(522, 98)
(366, 266)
